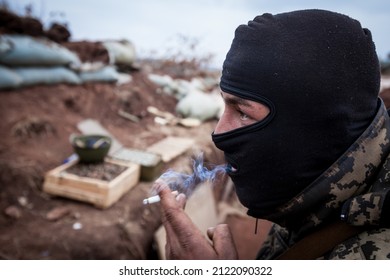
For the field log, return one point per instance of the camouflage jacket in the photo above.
(355, 189)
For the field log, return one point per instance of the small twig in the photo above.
(128, 116)
(166, 115)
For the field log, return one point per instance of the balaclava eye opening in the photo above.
(319, 73)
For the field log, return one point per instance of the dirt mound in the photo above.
(88, 51)
(35, 129)
(11, 23)
(58, 33)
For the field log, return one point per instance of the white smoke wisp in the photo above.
(187, 183)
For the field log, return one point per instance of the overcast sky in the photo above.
(155, 25)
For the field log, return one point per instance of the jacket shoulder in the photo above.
(369, 245)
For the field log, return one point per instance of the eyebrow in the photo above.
(234, 100)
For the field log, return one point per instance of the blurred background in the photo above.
(162, 28)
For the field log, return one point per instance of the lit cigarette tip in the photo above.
(156, 198)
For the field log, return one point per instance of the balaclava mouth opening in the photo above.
(319, 73)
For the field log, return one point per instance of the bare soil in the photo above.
(35, 127)
(104, 171)
(36, 124)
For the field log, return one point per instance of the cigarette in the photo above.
(156, 198)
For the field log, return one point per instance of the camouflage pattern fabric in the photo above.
(355, 189)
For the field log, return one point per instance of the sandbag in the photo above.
(199, 105)
(120, 52)
(106, 74)
(179, 88)
(46, 75)
(9, 79)
(22, 50)
(175, 87)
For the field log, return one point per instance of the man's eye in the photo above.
(243, 116)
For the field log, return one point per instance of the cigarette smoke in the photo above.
(186, 183)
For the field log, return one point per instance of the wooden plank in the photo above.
(122, 184)
(78, 183)
(171, 147)
(74, 193)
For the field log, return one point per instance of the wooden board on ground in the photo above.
(171, 147)
(101, 193)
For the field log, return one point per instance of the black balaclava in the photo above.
(319, 73)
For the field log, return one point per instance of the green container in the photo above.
(151, 164)
(91, 148)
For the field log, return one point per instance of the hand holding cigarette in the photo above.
(156, 198)
(158, 185)
(182, 232)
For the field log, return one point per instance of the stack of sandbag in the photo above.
(26, 61)
(177, 88)
(121, 52)
(98, 72)
(198, 98)
(201, 105)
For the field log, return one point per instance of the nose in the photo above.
(218, 128)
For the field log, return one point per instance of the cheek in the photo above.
(261, 113)
(227, 122)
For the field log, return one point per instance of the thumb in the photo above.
(223, 242)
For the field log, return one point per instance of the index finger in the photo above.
(168, 199)
(172, 211)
